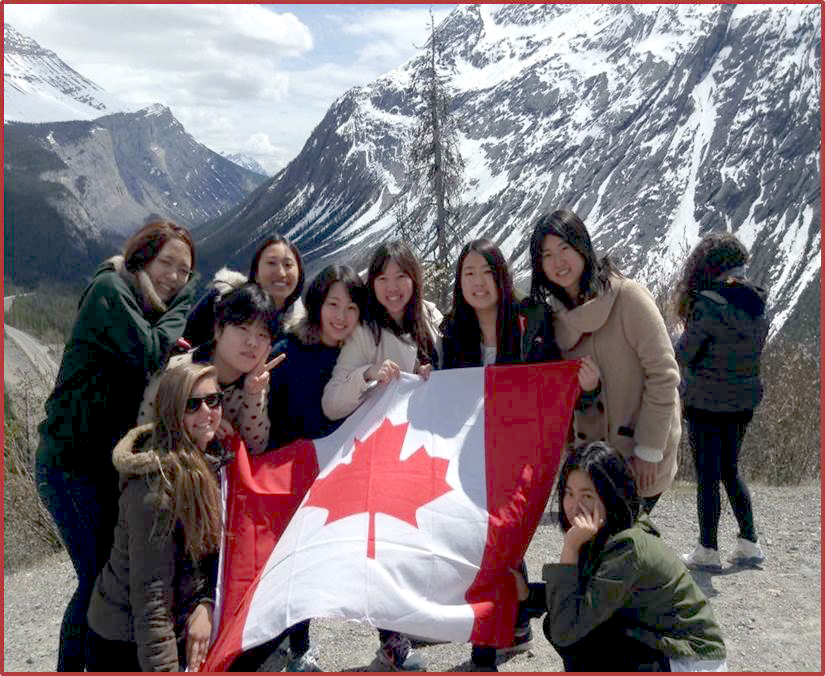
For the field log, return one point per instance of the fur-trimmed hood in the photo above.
(134, 456)
(141, 283)
(226, 280)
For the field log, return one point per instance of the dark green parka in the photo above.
(123, 333)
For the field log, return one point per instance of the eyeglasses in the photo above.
(212, 401)
(169, 265)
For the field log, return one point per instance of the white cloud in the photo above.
(180, 55)
(236, 76)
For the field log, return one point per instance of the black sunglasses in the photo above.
(212, 400)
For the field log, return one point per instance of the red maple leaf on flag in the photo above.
(376, 480)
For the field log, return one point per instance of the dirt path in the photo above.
(770, 615)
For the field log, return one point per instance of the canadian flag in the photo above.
(408, 517)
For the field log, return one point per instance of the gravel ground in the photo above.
(770, 615)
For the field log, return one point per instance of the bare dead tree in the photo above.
(427, 211)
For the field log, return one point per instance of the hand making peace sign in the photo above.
(257, 378)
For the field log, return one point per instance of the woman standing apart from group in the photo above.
(128, 319)
(720, 351)
(599, 313)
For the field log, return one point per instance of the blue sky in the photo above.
(241, 78)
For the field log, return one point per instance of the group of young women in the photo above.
(142, 524)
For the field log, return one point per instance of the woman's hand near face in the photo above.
(198, 632)
(256, 380)
(384, 372)
(588, 374)
(583, 528)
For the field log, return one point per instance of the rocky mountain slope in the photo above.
(72, 188)
(656, 123)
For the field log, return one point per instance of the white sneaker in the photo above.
(747, 553)
(703, 558)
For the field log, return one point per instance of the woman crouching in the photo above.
(151, 608)
(619, 599)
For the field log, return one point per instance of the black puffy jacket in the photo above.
(721, 347)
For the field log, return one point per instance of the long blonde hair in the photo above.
(186, 482)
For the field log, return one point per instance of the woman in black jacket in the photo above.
(484, 328)
(720, 351)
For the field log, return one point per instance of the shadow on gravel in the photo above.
(704, 578)
(550, 518)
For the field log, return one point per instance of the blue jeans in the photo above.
(85, 511)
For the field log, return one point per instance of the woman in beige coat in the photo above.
(599, 313)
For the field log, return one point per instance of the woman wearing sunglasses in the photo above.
(151, 606)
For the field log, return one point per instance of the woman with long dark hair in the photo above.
(400, 332)
(276, 267)
(128, 320)
(151, 609)
(483, 329)
(601, 314)
(720, 352)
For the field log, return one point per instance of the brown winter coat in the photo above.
(638, 409)
(149, 586)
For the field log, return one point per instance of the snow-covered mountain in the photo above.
(71, 187)
(39, 87)
(656, 123)
(246, 162)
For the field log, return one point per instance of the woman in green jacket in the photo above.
(128, 319)
(619, 599)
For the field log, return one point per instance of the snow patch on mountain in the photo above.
(39, 87)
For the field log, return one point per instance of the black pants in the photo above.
(716, 439)
(105, 655)
(254, 658)
(609, 648)
(484, 655)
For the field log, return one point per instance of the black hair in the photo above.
(596, 274)
(256, 259)
(461, 326)
(413, 321)
(614, 483)
(309, 330)
(246, 305)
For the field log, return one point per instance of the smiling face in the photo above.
(478, 283)
(239, 348)
(278, 272)
(393, 290)
(203, 423)
(170, 269)
(580, 495)
(562, 264)
(339, 315)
